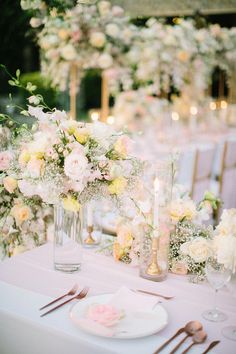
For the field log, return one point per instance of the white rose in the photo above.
(35, 22)
(181, 209)
(48, 41)
(68, 52)
(227, 226)
(105, 61)
(104, 7)
(112, 30)
(97, 39)
(199, 249)
(225, 247)
(76, 165)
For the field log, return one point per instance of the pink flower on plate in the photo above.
(106, 315)
(5, 159)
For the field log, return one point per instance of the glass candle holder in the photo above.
(154, 244)
(92, 230)
(67, 239)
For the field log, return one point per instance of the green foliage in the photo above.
(35, 80)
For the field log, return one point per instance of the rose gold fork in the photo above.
(79, 296)
(70, 293)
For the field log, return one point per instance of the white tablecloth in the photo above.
(28, 281)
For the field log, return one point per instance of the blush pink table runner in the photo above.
(28, 280)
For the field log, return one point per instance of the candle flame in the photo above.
(156, 185)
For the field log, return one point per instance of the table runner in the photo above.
(31, 276)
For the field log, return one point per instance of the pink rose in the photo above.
(76, 36)
(5, 159)
(106, 315)
(117, 11)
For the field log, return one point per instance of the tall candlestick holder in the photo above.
(154, 243)
(153, 268)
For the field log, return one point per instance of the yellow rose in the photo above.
(10, 184)
(118, 185)
(81, 135)
(21, 213)
(118, 252)
(71, 204)
(24, 158)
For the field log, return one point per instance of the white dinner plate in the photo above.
(133, 325)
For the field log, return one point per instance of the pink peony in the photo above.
(5, 159)
(106, 315)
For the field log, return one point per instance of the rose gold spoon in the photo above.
(198, 338)
(190, 327)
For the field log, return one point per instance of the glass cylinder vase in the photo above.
(67, 239)
(154, 245)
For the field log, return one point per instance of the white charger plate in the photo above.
(133, 325)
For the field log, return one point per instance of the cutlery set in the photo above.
(192, 329)
(72, 292)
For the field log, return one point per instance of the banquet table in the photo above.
(28, 281)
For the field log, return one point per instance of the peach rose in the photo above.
(21, 213)
(10, 184)
(117, 251)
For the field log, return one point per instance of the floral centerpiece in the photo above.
(137, 110)
(24, 222)
(191, 240)
(92, 36)
(62, 159)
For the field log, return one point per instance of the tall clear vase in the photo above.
(67, 239)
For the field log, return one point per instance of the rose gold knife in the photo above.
(212, 345)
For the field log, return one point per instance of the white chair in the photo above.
(227, 177)
(202, 171)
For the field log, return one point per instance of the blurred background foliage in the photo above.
(19, 50)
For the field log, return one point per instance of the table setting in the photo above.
(140, 287)
(117, 180)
